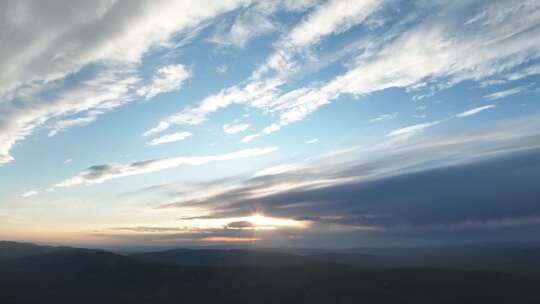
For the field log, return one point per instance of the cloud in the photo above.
(412, 129)
(256, 20)
(312, 141)
(531, 70)
(474, 111)
(222, 69)
(169, 138)
(180, 234)
(256, 91)
(249, 138)
(160, 128)
(505, 93)
(330, 18)
(68, 123)
(67, 161)
(250, 23)
(382, 193)
(82, 33)
(235, 129)
(428, 55)
(46, 44)
(240, 225)
(168, 78)
(101, 173)
(102, 92)
(29, 193)
(383, 117)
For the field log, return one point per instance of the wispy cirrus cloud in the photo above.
(169, 138)
(29, 193)
(328, 19)
(233, 95)
(235, 128)
(261, 92)
(410, 130)
(111, 36)
(383, 117)
(386, 65)
(474, 111)
(505, 93)
(249, 138)
(65, 124)
(101, 173)
(168, 78)
(373, 66)
(81, 104)
(251, 22)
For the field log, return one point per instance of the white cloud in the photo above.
(532, 70)
(333, 17)
(474, 111)
(505, 93)
(280, 169)
(162, 126)
(222, 69)
(251, 93)
(68, 123)
(312, 141)
(410, 130)
(169, 138)
(255, 20)
(44, 44)
(100, 173)
(424, 56)
(429, 54)
(330, 18)
(249, 138)
(102, 92)
(383, 117)
(48, 43)
(248, 24)
(235, 129)
(67, 161)
(29, 193)
(168, 78)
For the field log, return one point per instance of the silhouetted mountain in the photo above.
(71, 275)
(227, 258)
(514, 258)
(365, 261)
(14, 250)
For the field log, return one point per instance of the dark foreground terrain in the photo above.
(40, 274)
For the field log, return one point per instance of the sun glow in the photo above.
(259, 220)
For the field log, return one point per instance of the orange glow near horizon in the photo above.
(226, 239)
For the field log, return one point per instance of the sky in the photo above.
(307, 123)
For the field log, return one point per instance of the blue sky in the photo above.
(201, 122)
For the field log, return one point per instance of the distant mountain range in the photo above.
(43, 274)
(514, 258)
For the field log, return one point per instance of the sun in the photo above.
(260, 220)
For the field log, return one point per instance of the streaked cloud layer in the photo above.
(341, 117)
(100, 173)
